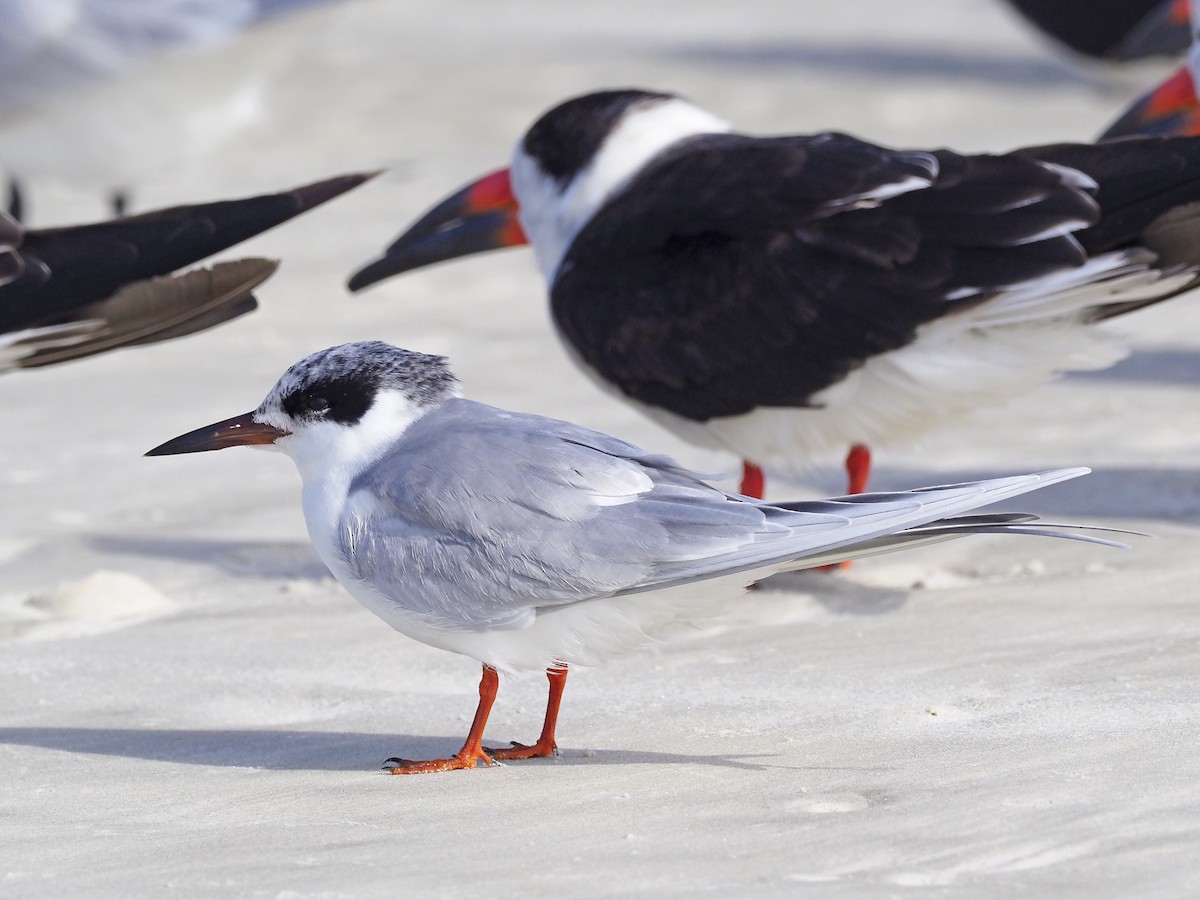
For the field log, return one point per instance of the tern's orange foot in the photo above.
(525, 751)
(397, 766)
(835, 567)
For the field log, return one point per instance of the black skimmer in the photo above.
(1171, 108)
(784, 297)
(1112, 30)
(67, 293)
(530, 543)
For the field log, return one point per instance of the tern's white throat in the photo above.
(323, 448)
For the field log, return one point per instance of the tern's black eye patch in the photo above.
(344, 400)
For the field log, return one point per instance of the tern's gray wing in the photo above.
(478, 517)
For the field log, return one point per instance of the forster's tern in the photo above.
(530, 543)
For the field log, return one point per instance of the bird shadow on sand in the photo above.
(836, 592)
(294, 559)
(873, 60)
(280, 750)
(1166, 366)
(261, 559)
(1109, 492)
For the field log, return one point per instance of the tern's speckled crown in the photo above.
(340, 383)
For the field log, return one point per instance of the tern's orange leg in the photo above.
(858, 468)
(472, 751)
(545, 746)
(753, 480)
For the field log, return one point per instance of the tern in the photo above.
(529, 543)
(67, 293)
(788, 297)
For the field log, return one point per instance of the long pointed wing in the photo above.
(144, 312)
(478, 518)
(64, 269)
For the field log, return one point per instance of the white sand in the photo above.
(990, 718)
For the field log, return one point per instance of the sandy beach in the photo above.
(190, 706)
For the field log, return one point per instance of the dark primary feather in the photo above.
(1140, 180)
(145, 312)
(740, 272)
(11, 235)
(1114, 29)
(1150, 196)
(67, 268)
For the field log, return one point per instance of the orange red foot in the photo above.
(462, 760)
(754, 482)
(524, 751)
(858, 468)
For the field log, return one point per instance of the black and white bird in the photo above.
(530, 543)
(789, 297)
(67, 293)
(1172, 107)
(1111, 30)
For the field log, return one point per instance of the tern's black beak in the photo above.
(239, 431)
(480, 217)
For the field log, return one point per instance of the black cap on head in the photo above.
(339, 384)
(564, 140)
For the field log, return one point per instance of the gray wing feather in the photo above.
(478, 517)
(869, 524)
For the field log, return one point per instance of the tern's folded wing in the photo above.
(478, 518)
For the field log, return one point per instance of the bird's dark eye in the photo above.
(309, 403)
(343, 400)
